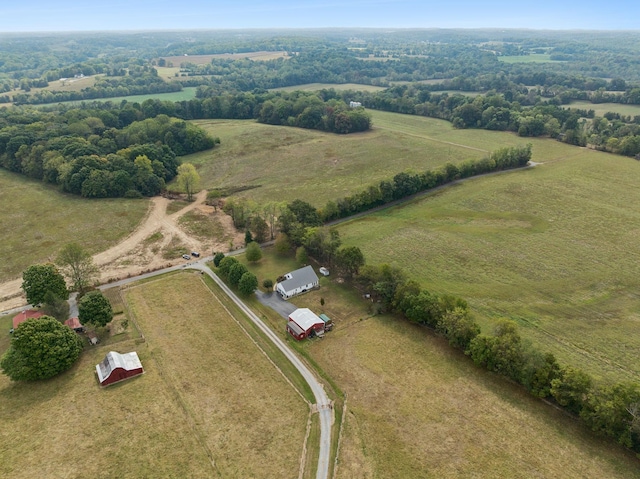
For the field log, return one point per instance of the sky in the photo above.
(76, 15)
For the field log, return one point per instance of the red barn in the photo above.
(74, 323)
(24, 315)
(304, 323)
(117, 367)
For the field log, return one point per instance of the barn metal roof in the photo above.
(300, 277)
(305, 318)
(295, 328)
(113, 360)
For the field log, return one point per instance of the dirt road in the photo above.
(133, 255)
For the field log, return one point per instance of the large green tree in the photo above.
(40, 349)
(188, 179)
(94, 308)
(349, 260)
(77, 265)
(253, 252)
(248, 283)
(39, 279)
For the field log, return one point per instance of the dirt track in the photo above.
(132, 256)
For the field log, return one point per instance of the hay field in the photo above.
(37, 220)
(602, 108)
(204, 59)
(329, 86)
(554, 248)
(416, 408)
(290, 163)
(248, 418)
(209, 404)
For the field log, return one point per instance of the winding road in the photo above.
(323, 404)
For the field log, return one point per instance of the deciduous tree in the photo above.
(77, 265)
(253, 252)
(40, 349)
(248, 283)
(188, 180)
(40, 278)
(94, 308)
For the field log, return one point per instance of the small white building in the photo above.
(355, 104)
(297, 282)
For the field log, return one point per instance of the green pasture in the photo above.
(602, 108)
(187, 93)
(552, 247)
(532, 58)
(37, 220)
(329, 86)
(285, 163)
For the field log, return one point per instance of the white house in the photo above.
(297, 282)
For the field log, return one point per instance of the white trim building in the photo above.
(297, 282)
(304, 323)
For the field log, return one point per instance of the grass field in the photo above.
(187, 93)
(553, 248)
(416, 408)
(328, 86)
(205, 59)
(532, 58)
(209, 404)
(602, 108)
(37, 221)
(336, 165)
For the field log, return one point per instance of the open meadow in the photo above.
(417, 408)
(38, 220)
(210, 403)
(552, 247)
(602, 108)
(330, 86)
(284, 163)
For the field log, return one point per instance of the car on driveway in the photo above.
(186, 256)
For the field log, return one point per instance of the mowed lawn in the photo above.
(416, 408)
(38, 220)
(209, 404)
(554, 247)
(246, 416)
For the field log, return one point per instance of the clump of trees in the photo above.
(40, 349)
(238, 275)
(94, 308)
(98, 152)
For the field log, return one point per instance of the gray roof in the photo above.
(295, 328)
(300, 277)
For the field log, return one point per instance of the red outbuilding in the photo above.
(117, 367)
(304, 323)
(24, 315)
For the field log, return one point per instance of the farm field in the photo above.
(187, 93)
(268, 156)
(205, 59)
(38, 220)
(209, 403)
(602, 108)
(329, 86)
(553, 248)
(532, 58)
(416, 408)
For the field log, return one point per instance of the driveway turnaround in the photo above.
(275, 302)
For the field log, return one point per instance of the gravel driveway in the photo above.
(275, 302)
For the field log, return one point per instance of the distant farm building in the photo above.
(303, 323)
(24, 315)
(355, 104)
(116, 367)
(297, 282)
(74, 323)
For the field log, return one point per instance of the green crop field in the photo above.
(552, 247)
(210, 404)
(285, 163)
(328, 86)
(37, 220)
(602, 108)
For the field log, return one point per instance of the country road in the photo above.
(323, 404)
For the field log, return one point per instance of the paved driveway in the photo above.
(275, 302)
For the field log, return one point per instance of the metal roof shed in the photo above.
(117, 367)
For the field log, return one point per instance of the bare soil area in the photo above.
(139, 253)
